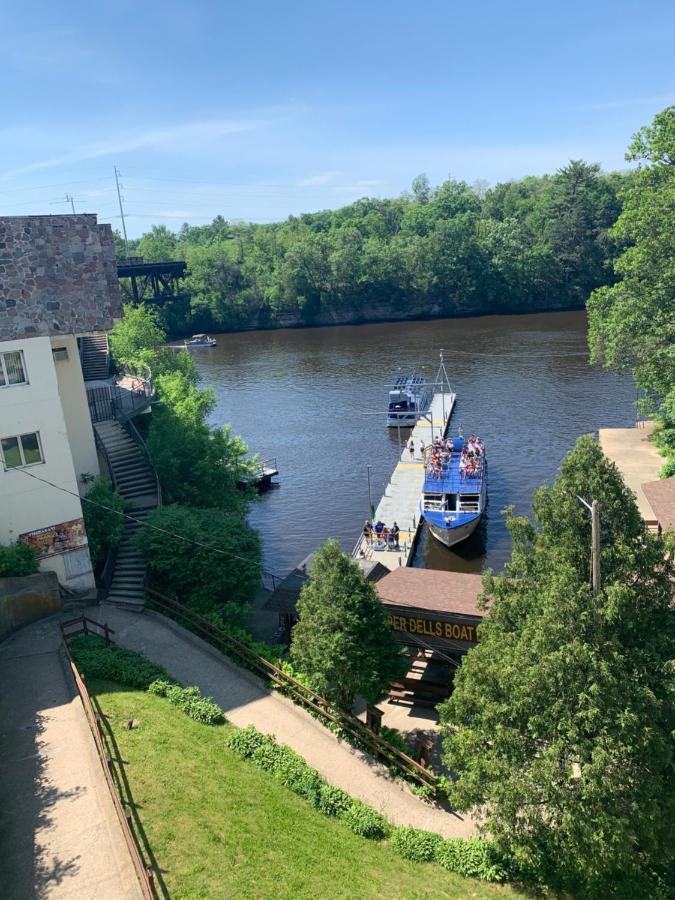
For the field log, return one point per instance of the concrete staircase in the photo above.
(95, 357)
(135, 480)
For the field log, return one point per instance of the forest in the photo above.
(540, 243)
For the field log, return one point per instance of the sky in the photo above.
(263, 109)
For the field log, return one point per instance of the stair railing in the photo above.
(135, 436)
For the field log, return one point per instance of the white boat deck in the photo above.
(401, 496)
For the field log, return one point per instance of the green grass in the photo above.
(219, 827)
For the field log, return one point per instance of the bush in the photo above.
(104, 526)
(245, 741)
(396, 739)
(472, 858)
(200, 578)
(17, 560)
(415, 844)
(363, 820)
(96, 658)
(190, 701)
(332, 801)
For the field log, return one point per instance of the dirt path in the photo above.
(246, 701)
(59, 833)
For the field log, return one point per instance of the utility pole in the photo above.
(594, 509)
(119, 197)
(595, 541)
(70, 199)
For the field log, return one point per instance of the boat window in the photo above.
(469, 502)
(434, 502)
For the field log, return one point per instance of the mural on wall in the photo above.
(57, 538)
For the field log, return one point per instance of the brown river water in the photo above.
(316, 400)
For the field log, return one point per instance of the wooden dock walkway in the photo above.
(401, 496)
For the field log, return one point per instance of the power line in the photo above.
(140, 522)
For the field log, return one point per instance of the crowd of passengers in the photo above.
(380, 536)
(440, 456)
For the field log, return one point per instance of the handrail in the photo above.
(144, 872)
(377, 745)
(135, 436)
(84, 623)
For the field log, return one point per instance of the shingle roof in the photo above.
(661, 496)
(450, 592)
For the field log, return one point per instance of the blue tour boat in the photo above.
(455, 489)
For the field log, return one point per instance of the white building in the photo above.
(58, 284)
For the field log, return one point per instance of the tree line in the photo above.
(540, 243)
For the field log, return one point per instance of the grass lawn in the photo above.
(219, 827)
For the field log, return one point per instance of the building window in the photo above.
(21, 450)
(12, 368)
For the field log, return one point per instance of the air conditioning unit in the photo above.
(60, 353)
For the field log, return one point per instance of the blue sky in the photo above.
(261, 109)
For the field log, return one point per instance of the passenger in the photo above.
(396, 534)
(379, 527)
(368, 532)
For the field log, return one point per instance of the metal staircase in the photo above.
(135, 479)
(95, 356)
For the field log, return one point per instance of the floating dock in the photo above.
(400, 501)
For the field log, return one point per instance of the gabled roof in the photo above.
(429, 589)
(661, 496)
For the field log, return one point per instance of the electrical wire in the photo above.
(141, 522)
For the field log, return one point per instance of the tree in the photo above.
(560, 725)
(421, 188)
(135, 340)
(197, 464)
(632, 323)
(102, 518)
(17, 560)
(343, 641)
(218, 564)
(157, 245)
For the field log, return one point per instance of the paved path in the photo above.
(246, 701)
(638, 459)
(59, 833)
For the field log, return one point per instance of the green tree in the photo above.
(102, 518)
(197, 464)
(560, 725)
(157, 245)
(135, 340)
(17, 560)
(207, 558)
(343, 641)
(632, 323)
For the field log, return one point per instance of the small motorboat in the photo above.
(200, 340)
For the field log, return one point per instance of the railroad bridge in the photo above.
(152, 281)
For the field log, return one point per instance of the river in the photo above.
(316, 399)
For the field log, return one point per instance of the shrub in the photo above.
(17, 560)
(190, 701)
(472, 858)
(104, 526)
(363, 820)
(245, 741)
(332, 801)
(96, 658)
(415, 844)
(396, 739)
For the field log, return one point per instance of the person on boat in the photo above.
(368, 532)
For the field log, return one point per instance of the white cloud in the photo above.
(188, 134)
(318, 180)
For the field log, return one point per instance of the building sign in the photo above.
(56, 538)
(434, 628)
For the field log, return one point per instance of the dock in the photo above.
(400, 502)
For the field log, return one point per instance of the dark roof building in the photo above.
(661, 496)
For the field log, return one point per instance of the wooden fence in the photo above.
(374, 743)
(69, 629)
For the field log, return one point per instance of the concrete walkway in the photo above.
(637, 458)
(59, 834)
(246, 701)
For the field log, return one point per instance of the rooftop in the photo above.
(661, 496)
(449, 592)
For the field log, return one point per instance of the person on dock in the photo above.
(396, 535)
(368, 532)
(422, 449)
(411, 448)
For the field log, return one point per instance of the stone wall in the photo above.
(23, 600)
(58, 275)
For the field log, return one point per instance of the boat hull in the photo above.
(451, 536)
(404, 420)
